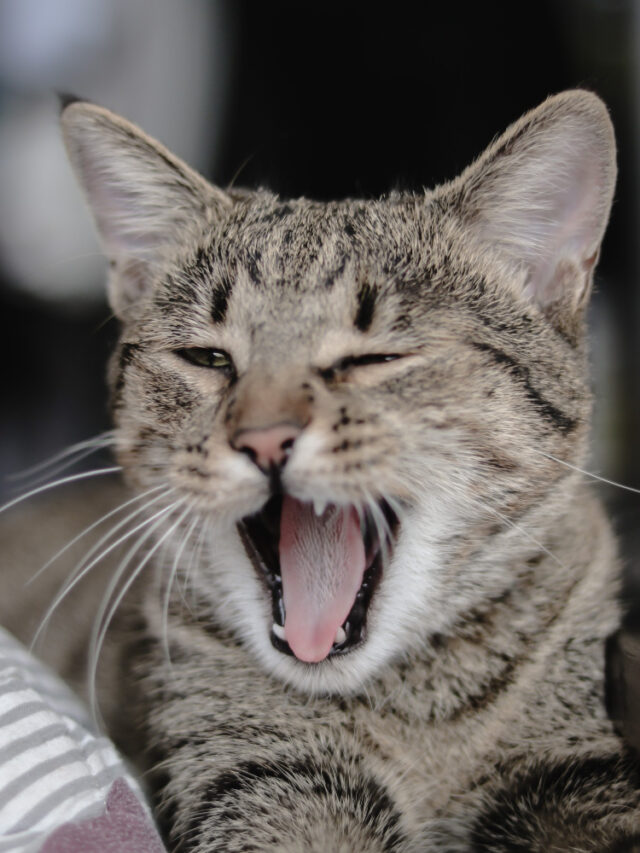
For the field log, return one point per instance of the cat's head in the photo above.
(365, 400)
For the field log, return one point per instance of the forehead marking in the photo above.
(366, 306)
(220, 300)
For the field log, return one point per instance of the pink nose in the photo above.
(268, 446)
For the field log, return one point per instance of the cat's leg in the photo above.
(589, 804)
(238, 763)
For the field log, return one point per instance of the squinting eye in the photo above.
(350, 361)
(369, 358)
(205, 357)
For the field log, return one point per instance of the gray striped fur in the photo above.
(473, 716)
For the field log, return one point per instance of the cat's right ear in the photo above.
(540, 197)
(145, 201)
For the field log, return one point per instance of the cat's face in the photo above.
(360, 398)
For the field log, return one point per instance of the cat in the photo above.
(374, 589)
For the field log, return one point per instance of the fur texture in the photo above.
(430, 352)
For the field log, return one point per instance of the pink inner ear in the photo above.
(129, 226)
(141, 196)
(544, 198)
(570, 231)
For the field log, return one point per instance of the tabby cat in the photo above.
(372, 597)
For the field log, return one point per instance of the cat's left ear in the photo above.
(145, 201)
(541, 195)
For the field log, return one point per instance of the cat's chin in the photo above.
(344, 675)
(303, 552)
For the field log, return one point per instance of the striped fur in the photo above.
(472, 717)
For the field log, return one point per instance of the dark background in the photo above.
(319, 99)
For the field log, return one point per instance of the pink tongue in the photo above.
(322, 561)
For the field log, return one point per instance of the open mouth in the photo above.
(321, 565)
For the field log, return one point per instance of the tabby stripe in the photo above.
(331, 277)
(251, 264)
(366, 306)
(550, 412)
(125, 357)
(364, 797)
(627, 844)
(220, 301)
(515, 819)
(489, 692)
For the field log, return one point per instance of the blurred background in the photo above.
(322, 99)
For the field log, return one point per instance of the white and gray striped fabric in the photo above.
(54, 767)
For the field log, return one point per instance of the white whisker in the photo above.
(396, 506)
(29, 482)
(169, 582)
(195, 557)
(122, 523)
(71, 479)
(107, 610)
(587, 473)
(78, 575)
(82, 447)
(88, 529)
(382, 528)
(195, 566)
(524, 532)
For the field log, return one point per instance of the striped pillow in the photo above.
(55, 769)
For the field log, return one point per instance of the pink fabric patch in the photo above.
(123, 828)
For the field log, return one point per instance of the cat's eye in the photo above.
(350, 361)
(215, 359)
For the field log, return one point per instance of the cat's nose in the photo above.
(267, 446)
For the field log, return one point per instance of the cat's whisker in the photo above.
(78, 575)
(73, 478)
(196, 555)
(396, 506)
(169, 584)
(110, 603)
(361, 510)
(191, 582)
(182, 577)
(524, 532)
(88, 530)
(113, 530)
(84, 448)
(29, 478)
(30, 482)
(589, 474)
(383, 530)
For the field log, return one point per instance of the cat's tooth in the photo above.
(340, 637)
(319, 506)
(278, 630)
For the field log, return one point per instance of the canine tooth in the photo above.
(340, 637)
(278, 630)
(319, 506)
